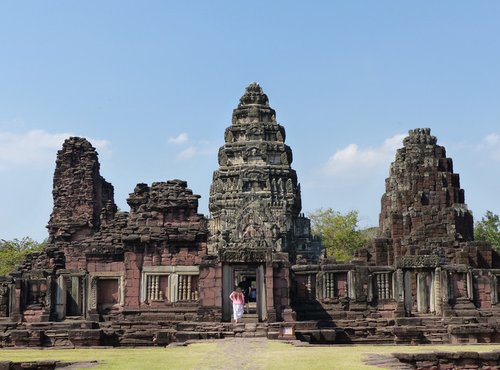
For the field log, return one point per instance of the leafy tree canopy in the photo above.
(488, 229)
(13, 251)
(340, 233)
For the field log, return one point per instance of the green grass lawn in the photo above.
(225, 354)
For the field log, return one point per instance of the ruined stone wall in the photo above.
(210, 287)
(4, 297)
(162, 232)
(95, 253)
(80, 193)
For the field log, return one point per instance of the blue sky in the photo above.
(152, 84)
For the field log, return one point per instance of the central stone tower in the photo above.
(254, 197)
(256, 229)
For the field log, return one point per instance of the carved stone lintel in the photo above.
(417, 261)
(243, 255)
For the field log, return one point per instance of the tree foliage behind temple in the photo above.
(488, 229)
(340, 233)
(12, 252)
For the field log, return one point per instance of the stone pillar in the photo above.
(262, 304)
(422, 292)
(76, 294)
(93, 294)
(408, 296)
(438, 293)
(227, 288)
(470, 285)
(48, 298)
(174, 287)
(398, 286)
(351, 284)
(445, 287)
(432, 293)
(269, 285)
(370, 293)
(15, 301)
(60, 303)
(494, 289)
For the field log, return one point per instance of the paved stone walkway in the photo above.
(241, 353)
(386, 362)
(236, 353)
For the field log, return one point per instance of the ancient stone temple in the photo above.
(161, 272)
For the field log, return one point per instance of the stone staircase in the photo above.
(250, 318)
(375, 331)
(420, 330)
(79, 333)
(149, 331)
(441, 330)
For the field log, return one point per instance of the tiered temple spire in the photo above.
(423, 205)
(254, 194)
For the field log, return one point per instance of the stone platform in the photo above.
(144, 332)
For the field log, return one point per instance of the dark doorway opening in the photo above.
(107, 295)
(250, 278)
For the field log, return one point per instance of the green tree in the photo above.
(13, 251)
(488, 229)
(340, 233)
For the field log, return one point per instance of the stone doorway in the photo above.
(73, 295)
(419, 292)
(251, 278)
(70, 296)
(107, 295)
(426, 291)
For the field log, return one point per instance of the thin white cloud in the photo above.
(180, 139)
(354, 161)
(492, 139)
(34, 148)
(192, 148)
(491, 143)
(189, 152)
(201, 149)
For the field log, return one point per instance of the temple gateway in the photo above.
(162, 272)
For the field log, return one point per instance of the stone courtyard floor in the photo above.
(237, 353)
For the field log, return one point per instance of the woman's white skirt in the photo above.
(237, 311)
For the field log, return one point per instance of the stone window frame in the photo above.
(375, 287)
(173, 273)
(325, 290)
(38, 282)
(146, 294)
(468, 282)
(311, 286)
(106, 275)
(196, 296)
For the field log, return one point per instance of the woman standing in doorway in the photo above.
(238, 299)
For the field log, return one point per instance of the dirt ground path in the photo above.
(236, 353)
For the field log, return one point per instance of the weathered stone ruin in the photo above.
(162, 272)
